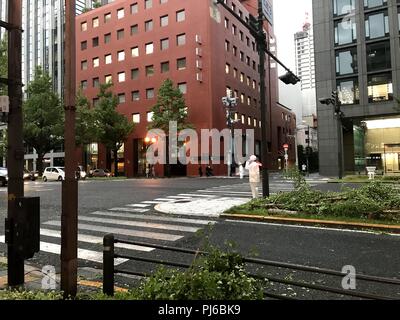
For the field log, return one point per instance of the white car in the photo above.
(54, 173)
(3, 177)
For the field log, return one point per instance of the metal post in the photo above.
(69, 218)
(340, 140)
(261, 43)
(308, 152)
(15, 157)
(108, 265)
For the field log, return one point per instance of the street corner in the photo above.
(200, 207)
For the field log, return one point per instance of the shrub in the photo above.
(29, 295)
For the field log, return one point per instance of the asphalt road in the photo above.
(126, 207)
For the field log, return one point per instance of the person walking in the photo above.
(254, 174)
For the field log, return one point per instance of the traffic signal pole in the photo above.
(15, 155)
(69, 215)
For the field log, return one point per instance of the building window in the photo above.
(134, 8)
(134, 29)
(341, 7)
(227, 45)
(108, 58)
(227, 68)
(121, 55)
(164, 44)
(95, 22)
(120, 13)
(96, 82)
(108, 78)
(135, 74)
(242, 98)
(96, 62)
(181, 39)
(346, 61)
(149, 48)
(345, 32)
(96, 102)
(241, 77)
(248, 82)
(148, 4)
(249, 101)
(150, 93)
(181, 64)
(84, 26)
(164, 21)
(149, 71)
(120, 34)
(376, 25)
(107, 38)
(136, 118)
(234, 29)
(164, 67)
(182, 87)
(234, 51)
(107, 17)
(83, 45)
(121, 76)
(84, 84)
(150, 116)
(135, 96)
(254, 84)
(378, 56)
(369, 4)
(235, 72)
(148, 25)
(121, 98)
(180, 16)
(348, 91)
(135, 52)
(95, 42)
(226, 23)
(380, 87)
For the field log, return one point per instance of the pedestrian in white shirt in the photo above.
(241, 171)
(254, 174)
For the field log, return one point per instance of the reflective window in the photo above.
(380, 87)
(346, 61)
(378, 56)
(345, 32)
(377, 25)
(341, 7)
(348, 91)
(368, 4)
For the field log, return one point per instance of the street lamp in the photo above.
(336, 103)
(230, 103)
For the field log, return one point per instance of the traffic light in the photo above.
(336, 101)
(289, 78)
(253, 24)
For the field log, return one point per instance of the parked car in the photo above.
(101, 173)
(54, 173)
(3, 176)
(80, 174)
(29, 175)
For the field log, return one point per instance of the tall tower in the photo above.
(305, 66)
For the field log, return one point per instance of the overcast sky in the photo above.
(289, 17)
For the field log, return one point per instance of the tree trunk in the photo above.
(39, 164)
(115, 162)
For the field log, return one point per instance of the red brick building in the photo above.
(139, 43)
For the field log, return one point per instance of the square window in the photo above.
(121, 76)
(135, 52)
(149, 48)
(164, 21)
(84, 84)
(95, 42)
(150, 93)
(96, 62)
(136, 118)
(108, 78)
(134, 8)
(135, 96)
(120, 13)
(181, 64)
(181, 39)
(149, 71)
(135, 74)
(96, 82)
(148, 25)
(180, 16)
(95, 22)
(83, 45)
(164, 44)
(148, 4)
(121, 98)
(108, 58)
(84, 26)
(120, 34)
(107, 17)
(150, 116)
(134, 29)
(121, 55)
(182, 87)
(164, 67)
(107, 38)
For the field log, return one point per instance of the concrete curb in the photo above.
(313, 222)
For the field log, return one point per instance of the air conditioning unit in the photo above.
(198, 39)
(199, 52)
(199, 76)
(199, 64)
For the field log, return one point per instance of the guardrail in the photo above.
(109, 271)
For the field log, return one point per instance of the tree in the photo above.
(86, 127)
(113, 128)
(170, 106)
(3, 144)
(43, 116)
(3, 64)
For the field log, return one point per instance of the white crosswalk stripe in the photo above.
(129, 210)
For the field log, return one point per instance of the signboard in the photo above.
(268, 11)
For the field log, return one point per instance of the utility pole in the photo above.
(230, 103)
(69, 217)
(15, 156)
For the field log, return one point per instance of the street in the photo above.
(126, 208)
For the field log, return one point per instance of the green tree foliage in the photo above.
(3, 143)
(3, 64)
(86, 125)
(113, 128)
(43, 116)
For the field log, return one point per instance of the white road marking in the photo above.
(163, 199)
(129, 210)
(157, 218)
(140, 224)
(227, 192)
(126, 232)
(138, 205)
(92, 239)
(196, 195)
(152, 202)
(179, 197)
(82, 253)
